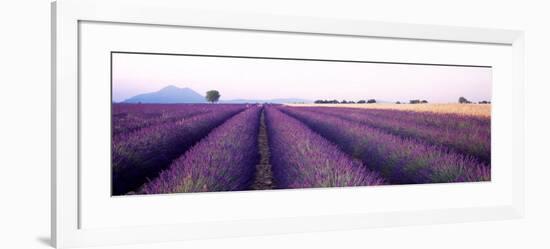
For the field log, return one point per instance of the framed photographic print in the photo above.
(173, 124)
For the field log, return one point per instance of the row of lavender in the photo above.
(303, 159)
(142, 154)
(128, 118)
(222, 161)
(464, 134)
(400, 159)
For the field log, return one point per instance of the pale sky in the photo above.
(240, 78)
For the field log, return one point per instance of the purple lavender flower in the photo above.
(464, 134)
(303, 159)
(399, 160)
(141, 155)
(223, 161)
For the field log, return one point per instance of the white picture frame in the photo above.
(66, 93)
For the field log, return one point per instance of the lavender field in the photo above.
(183, 148)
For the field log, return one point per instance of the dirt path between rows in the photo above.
(264, 176)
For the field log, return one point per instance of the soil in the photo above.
(264, 176)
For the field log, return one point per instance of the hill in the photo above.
(169, 94)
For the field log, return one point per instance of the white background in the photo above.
(25, 126)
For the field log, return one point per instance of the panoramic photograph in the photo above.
(207, 123)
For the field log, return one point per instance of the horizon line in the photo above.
(384, 101)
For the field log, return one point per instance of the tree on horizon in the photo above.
(213, 96)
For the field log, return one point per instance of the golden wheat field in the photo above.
(481, 110)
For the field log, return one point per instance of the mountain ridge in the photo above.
(168, 94)
(174, 94)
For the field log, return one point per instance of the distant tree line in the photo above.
(463, 100)
(416, 101)
(334, 101)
